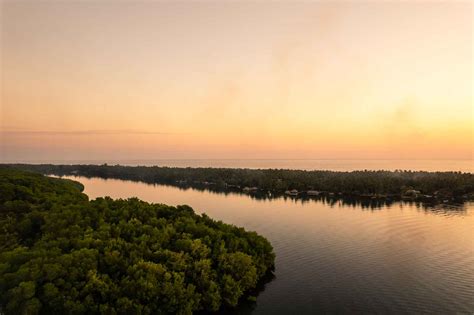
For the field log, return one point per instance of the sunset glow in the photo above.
(118, 80)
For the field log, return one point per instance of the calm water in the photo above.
(341, 259)
(305, 164)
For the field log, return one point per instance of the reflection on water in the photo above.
(336, 256)
(336, 199)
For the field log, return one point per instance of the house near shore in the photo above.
(292, 192)
(411, 193)
(231, 185)
(313, 193)
(250, 189)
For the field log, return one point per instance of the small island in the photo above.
(63, 253)
(430, 187)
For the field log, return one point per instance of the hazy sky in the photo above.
(150, 80)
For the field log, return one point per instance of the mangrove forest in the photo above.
(400, 184)
(61, 253)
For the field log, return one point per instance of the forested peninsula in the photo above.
(61, 253)
(380, 185)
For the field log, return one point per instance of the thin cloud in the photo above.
(80, 132)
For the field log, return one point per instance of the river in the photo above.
(335, 258)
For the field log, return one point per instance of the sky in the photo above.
(89, 80)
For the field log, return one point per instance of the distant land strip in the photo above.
(431, 187)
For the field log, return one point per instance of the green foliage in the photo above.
(355, 183)
(61, 253)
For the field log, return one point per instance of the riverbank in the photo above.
(127, 255)
(366, 186)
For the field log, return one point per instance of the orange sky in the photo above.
(150, 80)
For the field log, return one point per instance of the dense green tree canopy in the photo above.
(61, 253)
(441, 185)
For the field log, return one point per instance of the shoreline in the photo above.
(354, 186)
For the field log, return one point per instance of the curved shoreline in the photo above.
(359, 186)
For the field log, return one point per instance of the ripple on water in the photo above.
(401, 258)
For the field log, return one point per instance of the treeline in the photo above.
(415, 184)
(63, 254)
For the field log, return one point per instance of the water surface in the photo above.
(401, 258)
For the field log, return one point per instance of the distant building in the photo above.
(292, 192)
(411, 193)
(250, 189)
